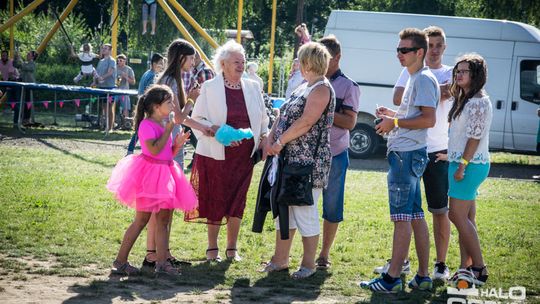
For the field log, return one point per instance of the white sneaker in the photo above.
(405, 269)
(440, 272)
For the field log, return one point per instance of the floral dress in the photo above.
(301, 150)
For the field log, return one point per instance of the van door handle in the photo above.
(499, 104)
(514, 105)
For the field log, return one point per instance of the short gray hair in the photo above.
(224, 51)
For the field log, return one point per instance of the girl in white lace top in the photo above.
(468, 156)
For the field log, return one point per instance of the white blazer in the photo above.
(211, 109)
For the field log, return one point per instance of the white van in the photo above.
(511, 49)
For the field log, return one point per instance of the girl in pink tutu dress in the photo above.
(152, 182)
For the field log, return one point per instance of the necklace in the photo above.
(231, 85)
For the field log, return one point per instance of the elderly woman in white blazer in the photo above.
(221, 175)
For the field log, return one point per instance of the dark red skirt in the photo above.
(221, 185)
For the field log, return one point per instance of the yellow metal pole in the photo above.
(63, 17)
(194, 23)
(12, 20)
(11, 40)
(114, 34)
(239, 25)
(272, 40)
(183, 30)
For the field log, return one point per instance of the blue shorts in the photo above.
(404, 194)
(334, 194)
(467, 188)
(179, 158)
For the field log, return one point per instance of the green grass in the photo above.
(53, 204)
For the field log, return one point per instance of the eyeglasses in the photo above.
(405, 50)
(462, 72)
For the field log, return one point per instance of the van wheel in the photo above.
(364, 141)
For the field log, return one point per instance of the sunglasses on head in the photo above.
(405, 50)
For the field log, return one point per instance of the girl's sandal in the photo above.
(175, 262)
(167, 269)
(124, 269)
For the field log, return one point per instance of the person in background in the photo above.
(28, 74)
(148, 78)
(347, 101)
(303, 34)
(125, 77)
(10, 73)
(201, 72)
(106, 79)
(149, 8)
(295, 78)
(469, 161)
(86, 58)
(251, 69)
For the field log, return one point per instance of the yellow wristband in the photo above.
(464, 161)
(190, 100)
(396, 123)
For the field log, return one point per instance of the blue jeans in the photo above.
(404, 194)
(132, 143)
(334, 194)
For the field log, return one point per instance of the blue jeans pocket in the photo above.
(419, 163)
(399, 196)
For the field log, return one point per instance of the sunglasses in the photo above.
(405, 50)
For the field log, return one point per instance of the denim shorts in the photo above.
(467, 188)
(435, 180)
(334, 194)
(404, 194)
(179, 158)
(124, 101)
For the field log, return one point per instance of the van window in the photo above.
(530, 80)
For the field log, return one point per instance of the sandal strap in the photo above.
(212, 249)
(151, 251)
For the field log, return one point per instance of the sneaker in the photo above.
(405, 269)
(421, 283)
(379, 285)
(463, 278)
(124, 269)
(441, 272)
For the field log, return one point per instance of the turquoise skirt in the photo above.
(467, 188)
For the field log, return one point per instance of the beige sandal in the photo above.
(303, 273)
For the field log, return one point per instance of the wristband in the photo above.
(278, 142)
(190, 100)
(464, 161)
(396, 123)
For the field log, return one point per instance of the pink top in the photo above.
(149, 129)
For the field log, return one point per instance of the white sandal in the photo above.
(303, 273)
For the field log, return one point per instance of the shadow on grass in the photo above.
(68, 153)
(278, 287)
(194, 280)
(64, 132)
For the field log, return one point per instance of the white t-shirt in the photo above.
(437, 137)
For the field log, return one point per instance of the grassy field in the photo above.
(53, 204)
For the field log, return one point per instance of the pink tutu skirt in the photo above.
(148, 185)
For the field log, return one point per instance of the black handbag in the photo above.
(295, 181)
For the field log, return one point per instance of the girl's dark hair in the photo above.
(478, 75)
(176, 57)
(155, 95)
